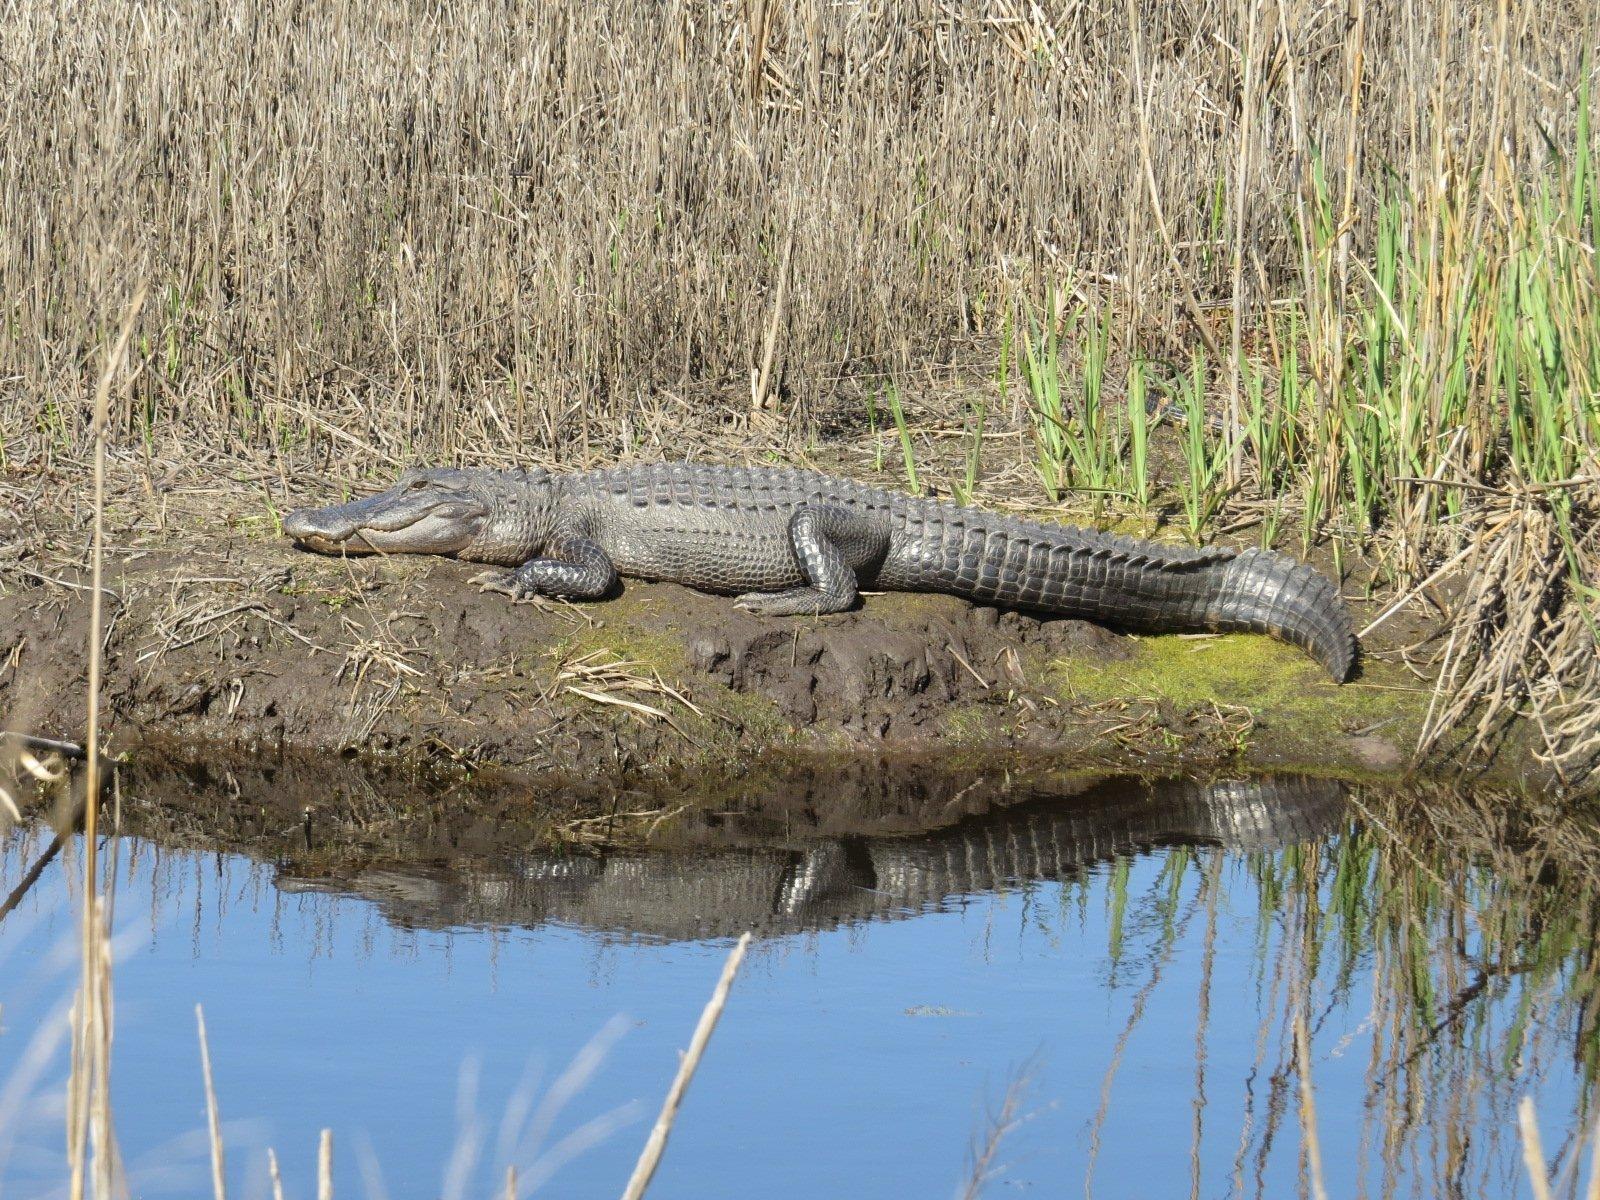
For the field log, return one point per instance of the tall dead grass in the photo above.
(1358, 237)
(435, 228)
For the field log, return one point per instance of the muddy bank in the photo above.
(220, 634)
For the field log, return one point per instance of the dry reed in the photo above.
(379, 228)
(219, 1165)
(89, 1120)
(1533, 1149)
(650, 1157)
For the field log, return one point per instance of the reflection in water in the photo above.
(1158, 950)
(723, 892)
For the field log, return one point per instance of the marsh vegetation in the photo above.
(1308, 274)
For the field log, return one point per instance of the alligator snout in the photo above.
(414, 517)
(312, 524)
(332, 530)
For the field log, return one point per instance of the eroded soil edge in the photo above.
(237, 640)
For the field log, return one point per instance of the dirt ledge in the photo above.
(223, 635)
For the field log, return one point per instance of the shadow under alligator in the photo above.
(721, 891)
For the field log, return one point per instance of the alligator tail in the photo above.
(1139, 585)
(1262, 591)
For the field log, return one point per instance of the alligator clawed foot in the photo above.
(507, 584)
(796, 602)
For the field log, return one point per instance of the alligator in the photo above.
(798, 543)
(820, 884)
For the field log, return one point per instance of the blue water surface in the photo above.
(1127, 1031)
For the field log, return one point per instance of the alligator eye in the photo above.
(418, 485)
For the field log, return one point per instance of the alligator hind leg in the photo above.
(579, 570)
(816, 534)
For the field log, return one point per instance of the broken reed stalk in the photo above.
(1593, 1190)
(274, 1174)
(760, 397)
(1002, 1123)
(66, 824)
(1533, 1150)
(29, 878)
(219, 1185)
(325, 1166)
(1235, 460)
(650, 1157)
(1308, 1107)
(91, 1100)
(30, 741)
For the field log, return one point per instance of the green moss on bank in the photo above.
(1299, 713)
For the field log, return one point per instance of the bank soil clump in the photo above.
(218, 633)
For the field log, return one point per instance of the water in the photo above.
(1110, 975)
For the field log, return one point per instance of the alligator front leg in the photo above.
(815, 534)
(579, 569)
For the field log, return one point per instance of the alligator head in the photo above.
(480, 516)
